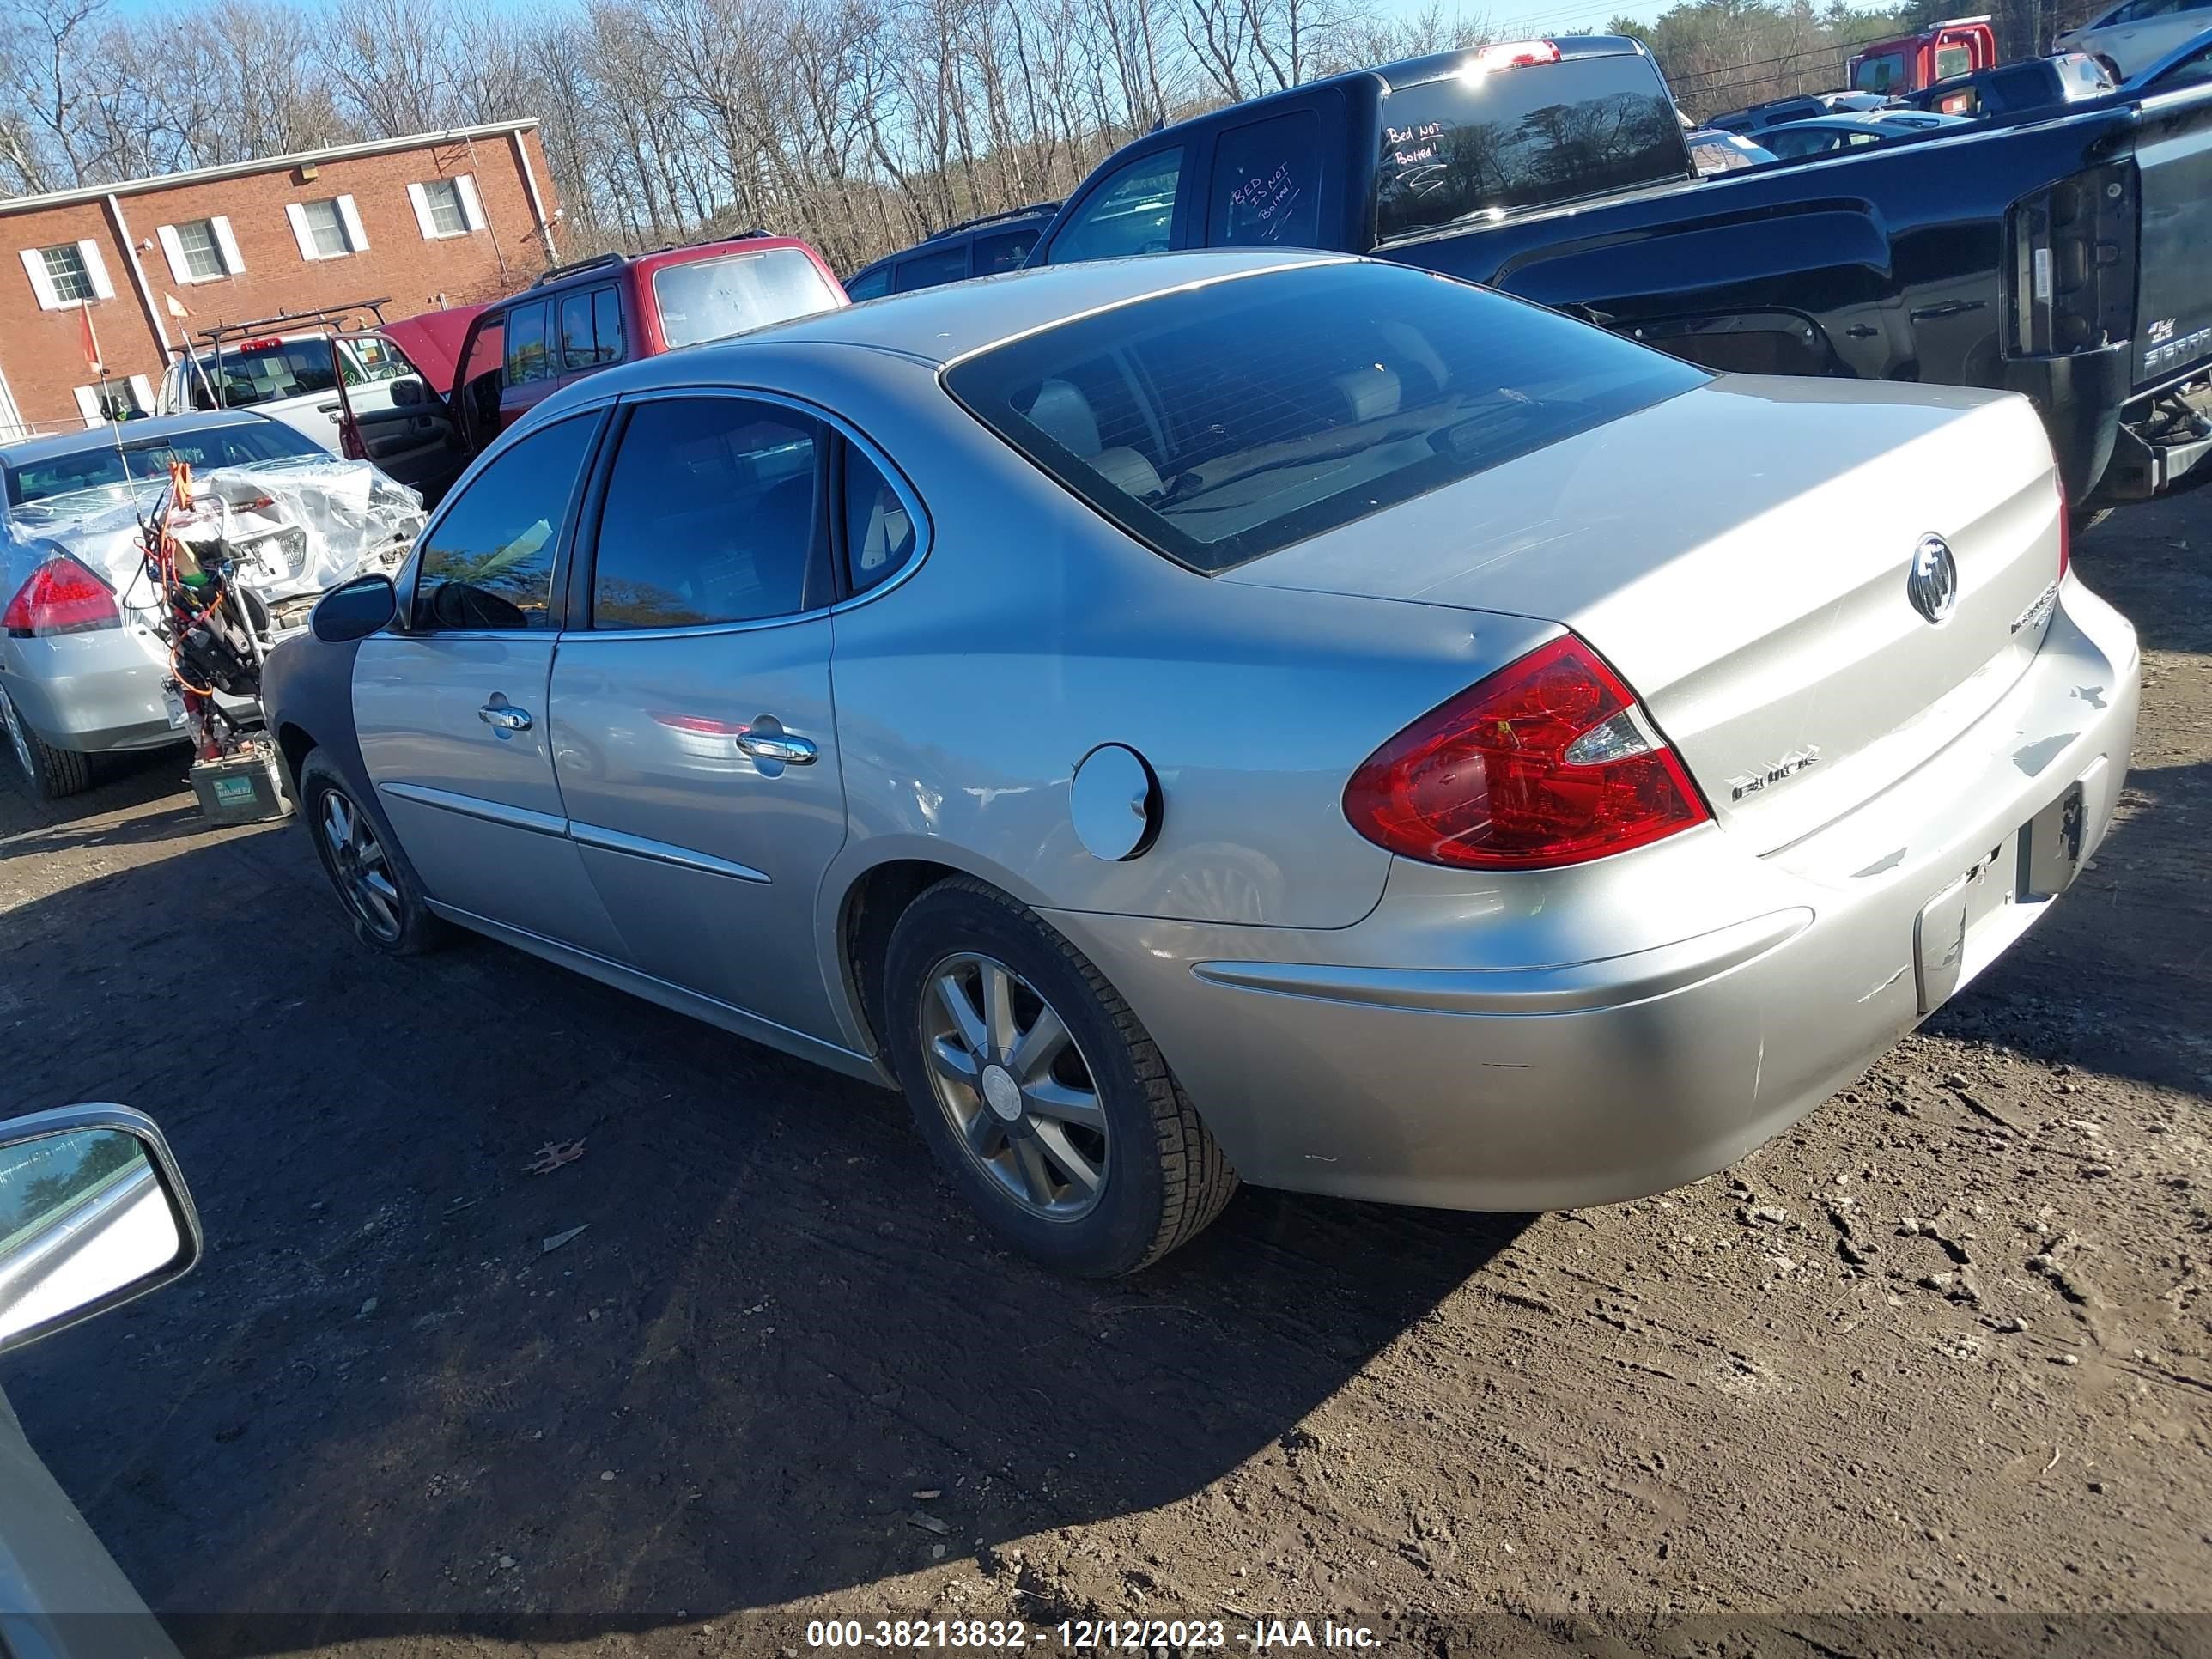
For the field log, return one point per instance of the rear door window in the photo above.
(932, 270)
(701, 300)
(591, 329)
(1132, 211)
(527, 356)
(1220, 423)
(607, 324)
(577, 350)
(1003, 250)
(1266, 184)
(870, 284)
(710, 515)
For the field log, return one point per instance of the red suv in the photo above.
(578, 318)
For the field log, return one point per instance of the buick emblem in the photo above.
(1932, 584)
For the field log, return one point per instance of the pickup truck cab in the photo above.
(2061, 257)
(2017, 90)
(292, 377)
(1907, 63)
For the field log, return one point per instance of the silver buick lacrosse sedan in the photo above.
(1238, 715)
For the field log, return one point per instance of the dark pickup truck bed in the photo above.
(2068, 257)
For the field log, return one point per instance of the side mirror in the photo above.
(407, 391)
(93, 1212)
(353, 610)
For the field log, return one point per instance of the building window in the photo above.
(202, 259)
(66, 275)
(447, 207)
(65, 270)
(131, 398)
(328, 229)
(445, 199)
(201, 250)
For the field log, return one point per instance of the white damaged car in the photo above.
(83, 671)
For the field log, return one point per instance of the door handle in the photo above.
(506, 717)
(777, 746)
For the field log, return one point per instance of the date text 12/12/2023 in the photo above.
(1093, 1635)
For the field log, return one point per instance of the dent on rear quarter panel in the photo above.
(1034, 632)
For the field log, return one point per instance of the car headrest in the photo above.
(1372, 392)
(1128, 472)
(1064, 415)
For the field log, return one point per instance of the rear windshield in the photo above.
(713, 298)
(269, 372)
(100, 464)
(1515, 138)
(1220, 423)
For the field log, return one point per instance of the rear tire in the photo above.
(1020, 1090)
(50, 774)
(370, 876)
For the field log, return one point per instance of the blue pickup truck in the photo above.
(2068, 256)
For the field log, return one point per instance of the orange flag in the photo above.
(91, 341)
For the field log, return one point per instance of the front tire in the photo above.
(1038, 1090)
(50, 774)
(371, 879)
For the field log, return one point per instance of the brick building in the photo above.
(434, 220)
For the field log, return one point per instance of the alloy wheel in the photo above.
(358, 860)
(1016, 1090)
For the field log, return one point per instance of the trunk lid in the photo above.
(1741, 554)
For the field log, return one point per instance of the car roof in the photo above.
(55, 444)
(937, 325)
(605, 267)
(2187, 49)
(968, 230)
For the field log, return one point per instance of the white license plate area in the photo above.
(2032, 866)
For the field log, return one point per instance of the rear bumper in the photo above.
(1587, 1036)
(94, 693)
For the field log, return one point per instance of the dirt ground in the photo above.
(1938, 1359)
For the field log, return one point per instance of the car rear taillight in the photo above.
(2065, 530)
(1550, 761)
(2071, 269)
(62, 597)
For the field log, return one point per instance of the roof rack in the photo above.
(314, 317)
(993, 219)
(556, 273)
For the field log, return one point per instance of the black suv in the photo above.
(975, 247)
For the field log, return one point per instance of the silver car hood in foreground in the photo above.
(1741, 554)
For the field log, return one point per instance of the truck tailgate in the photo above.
(2173, 292)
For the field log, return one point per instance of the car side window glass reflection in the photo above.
(488, 561)
(879, 530)
(1132, 212)
(710, 515)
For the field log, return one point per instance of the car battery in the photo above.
(242, 788)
